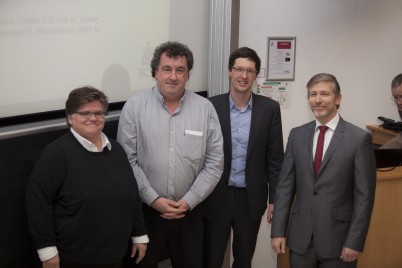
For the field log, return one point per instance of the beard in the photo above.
(322, 114)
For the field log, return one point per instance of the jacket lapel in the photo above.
(256, 118)
(224, 111)
(309, 138)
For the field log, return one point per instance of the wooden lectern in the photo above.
(381, 135)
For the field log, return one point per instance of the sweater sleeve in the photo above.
(139, 228)
(45, 181)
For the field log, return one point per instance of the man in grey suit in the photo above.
(253, 149)
(332, 206)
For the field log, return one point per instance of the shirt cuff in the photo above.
(191, 200)
(47, 253)
(140, 239)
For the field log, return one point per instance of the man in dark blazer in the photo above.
(332, 202)
(253, 149)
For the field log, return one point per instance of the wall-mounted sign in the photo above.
(281, 52)
(276, 90)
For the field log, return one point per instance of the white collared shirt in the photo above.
(89, 145)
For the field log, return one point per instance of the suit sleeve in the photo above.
(274, 153)
(285, 192)
(364, 191)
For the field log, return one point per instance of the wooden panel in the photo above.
(384, 241)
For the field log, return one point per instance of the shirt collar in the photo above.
(233, 106)
(89, 145)
(331, 124)
(160, 98)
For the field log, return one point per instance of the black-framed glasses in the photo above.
(88, 114)
(241, 70)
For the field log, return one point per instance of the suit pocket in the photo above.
(342, 215)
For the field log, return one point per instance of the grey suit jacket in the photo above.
(335, 207)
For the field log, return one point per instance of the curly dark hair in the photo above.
(172, 50)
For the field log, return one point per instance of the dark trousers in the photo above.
(181, 238)
(75, 265)
(310, 259)
(235, 214)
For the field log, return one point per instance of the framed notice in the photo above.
(281, 52)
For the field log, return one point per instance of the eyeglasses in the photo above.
(396, 99)
(240, 70)
(87, 114)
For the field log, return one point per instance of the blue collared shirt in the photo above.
(240, 120)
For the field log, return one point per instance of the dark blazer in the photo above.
(264, 154)
(335, 207)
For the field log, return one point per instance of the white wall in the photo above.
(358, 41)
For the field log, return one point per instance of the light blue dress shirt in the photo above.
(240, 120)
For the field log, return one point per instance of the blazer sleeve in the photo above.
(364, 191)
(274, 153)
(285, 192)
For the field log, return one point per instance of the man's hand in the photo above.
(169, 209)
(270, 212)
(52, 263)
(278, 244)
(183, 204)
(138, 249)
(349, 255)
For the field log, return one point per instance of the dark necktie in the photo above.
(319, 149)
